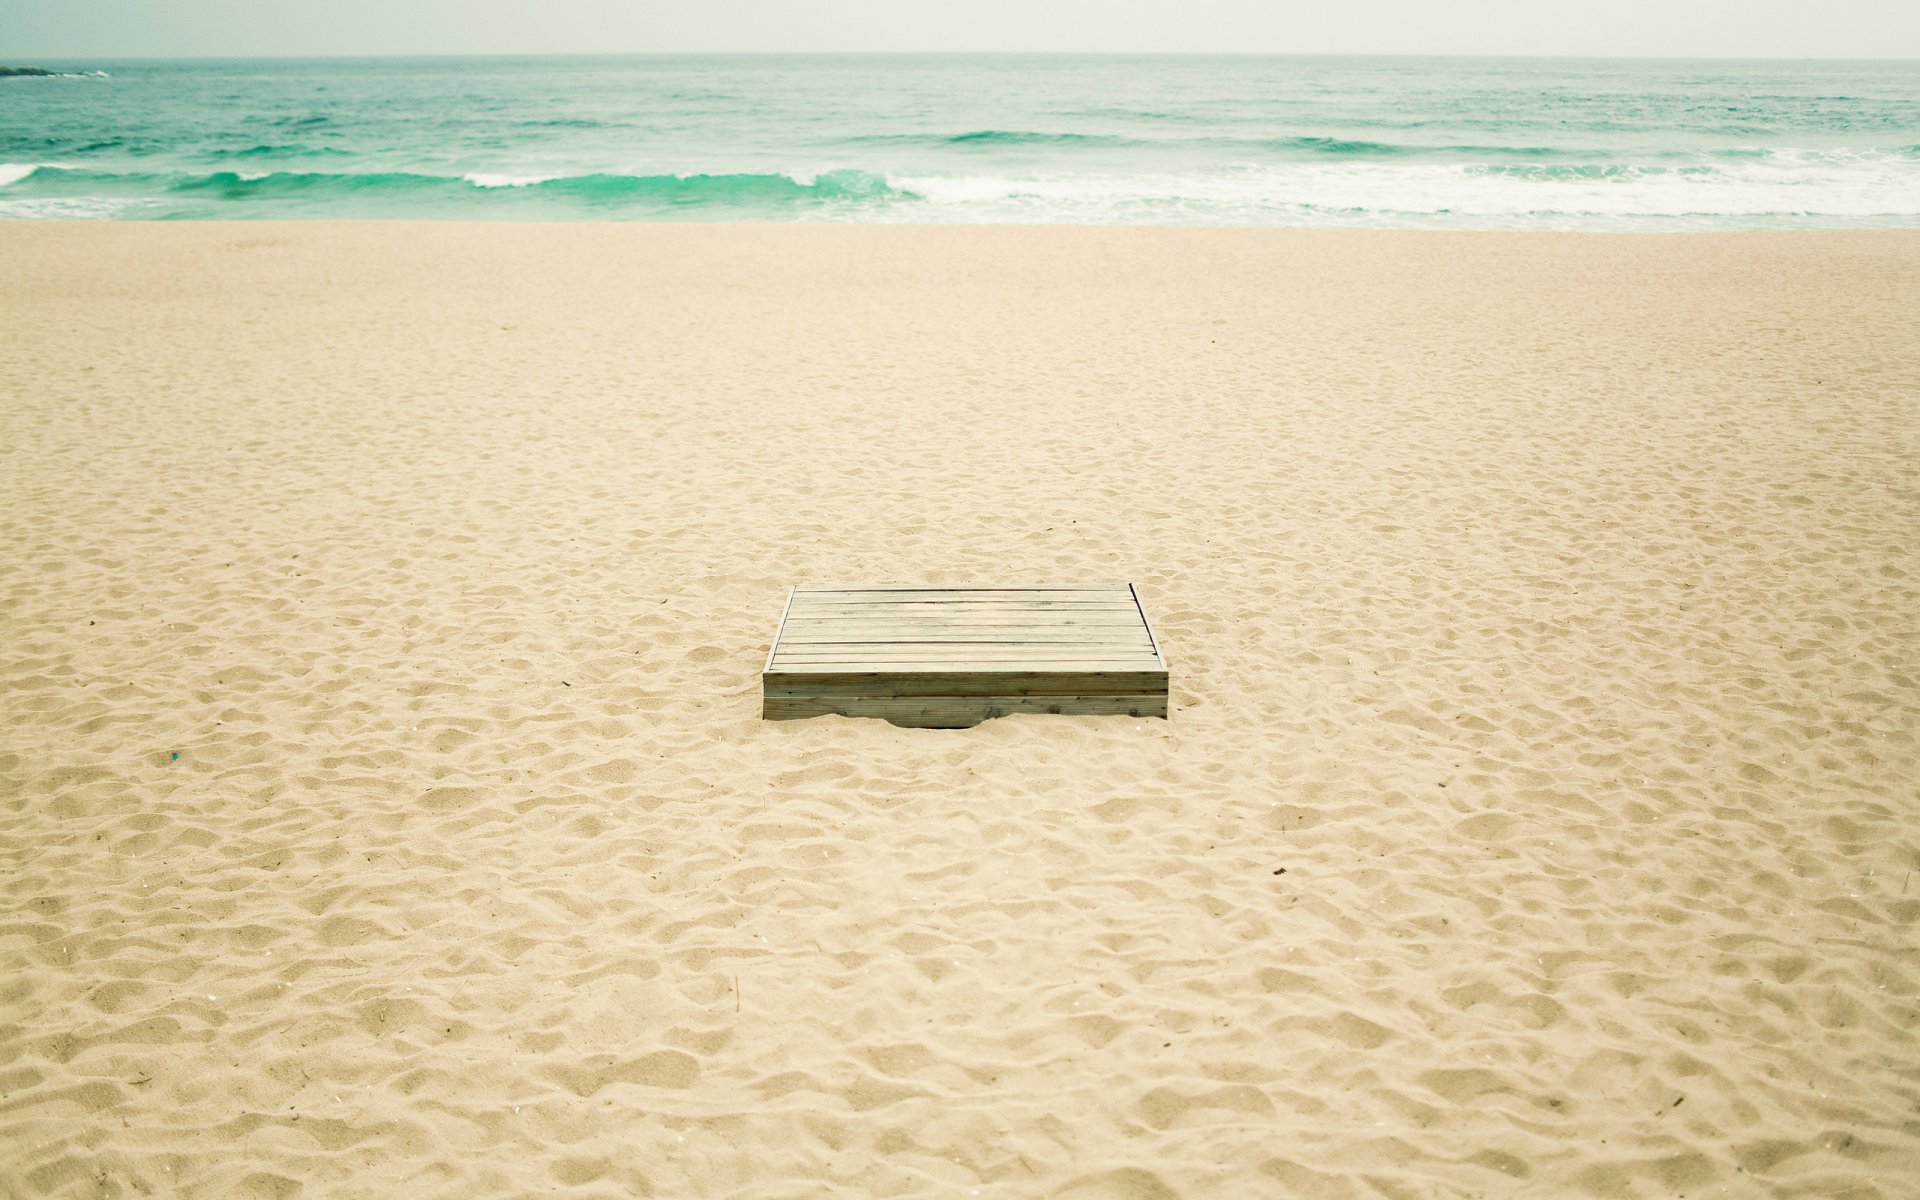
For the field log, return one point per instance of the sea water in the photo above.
(1172, 140)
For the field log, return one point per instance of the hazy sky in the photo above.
(31, 29)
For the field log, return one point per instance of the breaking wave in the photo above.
(413, 193)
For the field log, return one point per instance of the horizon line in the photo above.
(503, 54)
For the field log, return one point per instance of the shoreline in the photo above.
(507, 222)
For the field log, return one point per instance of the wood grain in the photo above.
(946, 657)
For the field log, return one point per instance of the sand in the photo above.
(385, 808)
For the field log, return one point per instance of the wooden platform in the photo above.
(947, 657)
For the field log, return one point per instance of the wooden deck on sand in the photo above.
(947, 657)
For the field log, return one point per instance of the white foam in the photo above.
(1851, 186)
(71, 208)
(15, 172)
(487, 179)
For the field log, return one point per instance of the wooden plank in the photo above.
(1040, 697)
(861, 630)
(1113, 683)
(1129, 676)
(1120, 620)
(1032, 598)
(951, 675)
(966, 633)
(960, 605)
(1122, 613)
(866, 636)
(1144, 623)
(1138, 659)
(960, 608)
(962, 712)
(1129, 642)
(879, 664)
(1081, 597)
(972, 688)
(951, 597)
(962, 597)
(929, 692)
(811, 589)
(930, 651)
(917, 609)
(1118, 617)
(893, 598)
(778, 632)
(911, 631)
(990, 666)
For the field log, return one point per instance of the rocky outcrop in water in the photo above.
(6, 71)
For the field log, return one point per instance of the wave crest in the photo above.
(405, 190)
(1825, 188)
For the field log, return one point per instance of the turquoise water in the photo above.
(1451, 143)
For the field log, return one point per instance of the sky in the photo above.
(80, 29)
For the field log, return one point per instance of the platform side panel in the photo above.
(855, 683)
(952, 712)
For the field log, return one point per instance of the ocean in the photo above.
(1161, 140)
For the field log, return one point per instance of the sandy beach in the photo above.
(385, 808)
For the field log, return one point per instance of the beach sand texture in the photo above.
(385, 807)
